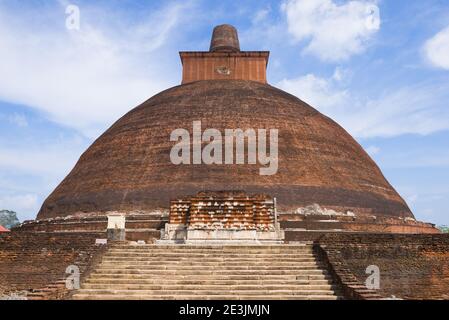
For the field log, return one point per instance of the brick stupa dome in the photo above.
(128, 168)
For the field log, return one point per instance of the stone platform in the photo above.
(223, 216)
(139, 226)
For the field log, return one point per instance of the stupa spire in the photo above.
(224, 39)
(224, 60)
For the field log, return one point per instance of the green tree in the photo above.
(8, 219)
(444, 229)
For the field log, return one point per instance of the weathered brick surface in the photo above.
(138, 227)
(224, 66)
(36, 262)
(351, 287)
(129, 168)
(411, 266)
(293, 223)
(224, 210)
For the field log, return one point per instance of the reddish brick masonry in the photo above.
(138, 226)
(411, 266)
(322, 224)
(224, 65)
(37, 262)
(226, 210)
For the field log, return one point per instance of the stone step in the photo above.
(83, 296)
(185, 260)
(208, 256)
(255, 268)
(245, 248)
(207, 281)
(199, 292)
(208, 265)
(200, 268)
(252, 277)
(197, 247)
(198, 287)
(208, 272)
(209, 252)
(228, 248)
(205, 261)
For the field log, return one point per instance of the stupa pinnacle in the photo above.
(224, 60)
(225, 39)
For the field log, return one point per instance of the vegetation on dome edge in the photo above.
(444, 229)
(8, 219)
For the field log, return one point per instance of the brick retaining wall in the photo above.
(36, 262)
(411, 266)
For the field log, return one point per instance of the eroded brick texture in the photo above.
(224, 210)
(138, 226)
(411, 266)
(128, 168)
(37, 262)
(224, 66)
(299, 227)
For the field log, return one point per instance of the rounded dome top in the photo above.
(129, 166)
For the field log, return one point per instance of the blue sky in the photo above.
(385, 80)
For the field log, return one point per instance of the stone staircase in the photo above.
(246, 272)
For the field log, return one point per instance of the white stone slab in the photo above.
(116, 221)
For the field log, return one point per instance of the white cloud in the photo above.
(419, 109)
(418, 158)
(83, 79)
(26, 205)
(334, 31)
(261, 15)
(341, 75)
(437, 49)
(18, 119)
(318, 92)
(50, 160)
(29, 172)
